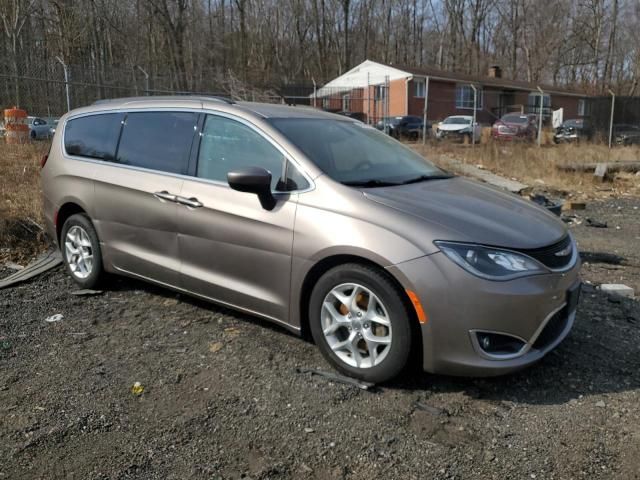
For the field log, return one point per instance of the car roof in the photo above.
(466, 117)
(263, 110)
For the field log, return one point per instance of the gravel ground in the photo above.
(222, 398)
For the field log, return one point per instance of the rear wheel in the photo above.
(360, 322)
(81, 251)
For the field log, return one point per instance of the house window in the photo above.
(346, 103)
(325, 103)
(534, 103)
(420, 86)
(464, 97)
(582, 107)
(379, 92)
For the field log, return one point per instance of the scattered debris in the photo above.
(215, 347)
(600, 174)
(485, 175)
(45, 262)
(595, 223)
(232, 331)
(602, 257)
(308, 430)
(86, 292)
(617, 289)
(5, 344)
(137, 389)
(570, 205)
(552, 206)
(54, 318)
(432, 410)
(334, 377)
(600, 404)
(14, 266)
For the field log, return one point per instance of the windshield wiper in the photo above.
(370, 183)
(424, 178)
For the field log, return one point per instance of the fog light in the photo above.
(499, 344)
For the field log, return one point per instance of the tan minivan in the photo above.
(317, 222)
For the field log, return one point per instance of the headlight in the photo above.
(491, 263)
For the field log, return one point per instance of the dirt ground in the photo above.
(222, 397)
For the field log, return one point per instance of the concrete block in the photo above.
(617, 289)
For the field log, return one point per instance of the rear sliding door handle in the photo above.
(164, 195)
(189, 202)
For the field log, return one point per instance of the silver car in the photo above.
(314, 221)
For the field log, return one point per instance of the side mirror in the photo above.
(253, 180)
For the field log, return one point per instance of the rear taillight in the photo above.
(43, 160)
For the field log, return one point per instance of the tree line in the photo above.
(202, 45)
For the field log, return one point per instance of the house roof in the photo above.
(374, 73)
(487, 81)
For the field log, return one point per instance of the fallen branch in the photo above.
(631, 166)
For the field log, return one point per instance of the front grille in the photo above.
(547, 255)
(552, 329)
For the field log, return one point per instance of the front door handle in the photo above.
(164, 195)
(189, 202)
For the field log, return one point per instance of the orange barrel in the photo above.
(16, 127)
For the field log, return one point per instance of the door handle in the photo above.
(164, 195)
(189, 202)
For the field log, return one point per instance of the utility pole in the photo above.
(424, 112)
(146, 79)
(66, 81)
(540, 116)
(613, 105)
(473, 124)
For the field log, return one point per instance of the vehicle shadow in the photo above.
(600, 356)
(117, 283)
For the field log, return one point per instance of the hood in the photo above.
(462, 210)
(453, 127)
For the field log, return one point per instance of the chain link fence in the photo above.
(49, 89)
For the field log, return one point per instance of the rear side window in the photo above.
(158, 140)
(94, 136)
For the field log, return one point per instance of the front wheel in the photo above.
(360, 322)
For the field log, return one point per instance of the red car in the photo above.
(515, 126)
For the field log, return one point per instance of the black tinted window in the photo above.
(95, 136)
(158, 140)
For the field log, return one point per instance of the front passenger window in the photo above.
(228, 145)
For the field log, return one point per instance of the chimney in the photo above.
(495, 71)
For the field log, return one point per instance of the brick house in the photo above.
(363, 90)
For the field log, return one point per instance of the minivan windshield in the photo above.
(356, 154)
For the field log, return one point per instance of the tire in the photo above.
(347, 345)
(85, 266)
(33, 135)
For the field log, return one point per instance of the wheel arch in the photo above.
(326, 264)
(64, 212)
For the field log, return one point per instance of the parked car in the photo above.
(38, 128)
(515, 126)
(459, 127)
(409, 126)
(574, 130)
(625, 134)
(314, 221)
(355, 115)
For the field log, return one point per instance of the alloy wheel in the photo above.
(356, 325)
(79, 252)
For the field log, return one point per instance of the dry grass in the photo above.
(538, 166)
(20, 201)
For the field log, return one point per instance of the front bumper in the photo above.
(536, 309)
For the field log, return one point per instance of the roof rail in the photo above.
(195, 96)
